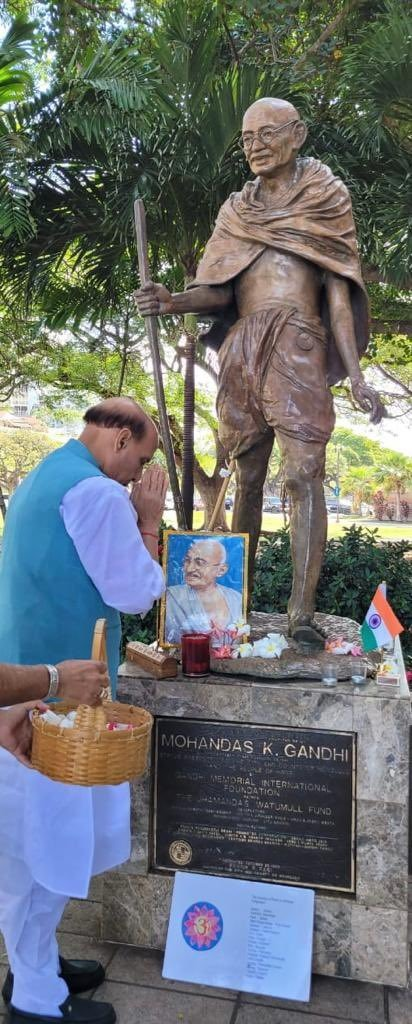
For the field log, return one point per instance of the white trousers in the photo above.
(53, 838)
(29, 916)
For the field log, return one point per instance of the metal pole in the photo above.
(188, 431)
(152, 332)
(338, 481)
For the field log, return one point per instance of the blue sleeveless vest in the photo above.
(48, 603)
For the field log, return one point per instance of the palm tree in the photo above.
(162, 123)
(360, 482)
(171, 151)
(376, 72)
(394, 475)
(15, 83)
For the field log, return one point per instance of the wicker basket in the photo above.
(89, 754)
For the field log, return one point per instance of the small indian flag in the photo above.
(381, 625)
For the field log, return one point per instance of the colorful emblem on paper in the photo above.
(202, 926)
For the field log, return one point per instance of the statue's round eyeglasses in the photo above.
(265, 135)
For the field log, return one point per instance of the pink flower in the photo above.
(222, 652)
(332, 645)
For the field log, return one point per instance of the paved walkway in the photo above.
(135, 986)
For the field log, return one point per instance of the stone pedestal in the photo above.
(363, 936)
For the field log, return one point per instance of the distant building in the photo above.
(24, 400)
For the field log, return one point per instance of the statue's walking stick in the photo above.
(152, 332)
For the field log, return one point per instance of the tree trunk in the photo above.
(188, 426)
(209, 487)
(125, 355)
(398, 504)
(3, 509)
(191, 332)
(357, 501)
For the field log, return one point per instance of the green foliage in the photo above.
(359, 450)
(347, 450)
(353, 567)
(15, 190)
(379, 65)
(15, 48)
(377, 71)
(147, 98)
(391, 353)
(394, 474)
(159, 114)
(364, 466)
(388, 303)
(20, 451)
(134, 627)
(358, 481)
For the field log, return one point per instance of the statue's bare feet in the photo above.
(307, 634)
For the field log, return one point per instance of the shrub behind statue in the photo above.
(353, 566)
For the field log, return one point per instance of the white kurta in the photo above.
(64, 834)
(101, 521)
(54, 837)
(73, 832)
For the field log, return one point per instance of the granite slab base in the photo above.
(361, 936)
(295, 663)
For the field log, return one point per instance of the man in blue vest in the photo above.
(76, 548)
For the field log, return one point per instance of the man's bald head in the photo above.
(121, 437)
(120, 412)
(275, 111)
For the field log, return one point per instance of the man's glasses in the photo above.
(266, 135)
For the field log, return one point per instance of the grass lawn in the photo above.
(274, 521)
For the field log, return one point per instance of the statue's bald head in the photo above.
(272, 135)
(272, 111)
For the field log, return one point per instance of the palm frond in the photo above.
(377, 72)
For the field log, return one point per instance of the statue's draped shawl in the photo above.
(314, 221)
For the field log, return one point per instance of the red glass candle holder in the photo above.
(195, 654)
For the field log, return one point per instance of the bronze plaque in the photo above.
(255, 801)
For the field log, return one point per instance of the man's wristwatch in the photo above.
(53, 682)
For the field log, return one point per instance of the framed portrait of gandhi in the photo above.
(206, 582)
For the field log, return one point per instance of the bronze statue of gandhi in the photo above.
(281, 276)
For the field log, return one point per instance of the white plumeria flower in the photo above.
(240, 626)
(270, 646)
(279, 639)
(260, 649)
(245, 650)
